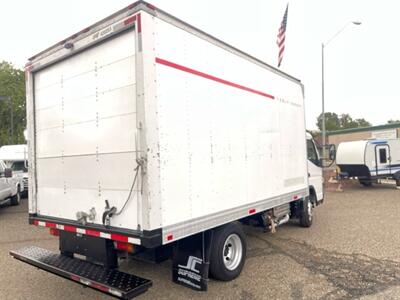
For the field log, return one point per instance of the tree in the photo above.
(12, 84)
(344, 121)
(331, 121)
(393, 121)
(362, 123)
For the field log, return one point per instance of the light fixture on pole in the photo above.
(323, 46)
(8, 98)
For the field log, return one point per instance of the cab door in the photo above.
(315, 178)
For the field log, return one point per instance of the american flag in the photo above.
(281, 36)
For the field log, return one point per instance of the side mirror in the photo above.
(8, 173)
(332, 152)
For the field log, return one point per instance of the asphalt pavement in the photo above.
(352, 251)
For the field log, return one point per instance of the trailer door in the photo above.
(382, 158)
(85, 122)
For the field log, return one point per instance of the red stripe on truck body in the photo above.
(211, 77)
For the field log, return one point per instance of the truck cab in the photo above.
(315, 177)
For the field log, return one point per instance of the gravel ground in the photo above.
(352, 251)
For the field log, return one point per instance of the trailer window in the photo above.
(382, 156)
(312, 152)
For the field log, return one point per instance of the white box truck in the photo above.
(152, 139)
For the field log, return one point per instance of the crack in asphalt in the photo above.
(352, 275)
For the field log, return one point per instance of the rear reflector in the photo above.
(132, 5)
(151, 6)
(119, 238)
(170, 237)
(252, 211)
(91, 232)
(130, 20)
(69, 228)
(54, 231)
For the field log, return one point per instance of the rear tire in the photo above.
(228, 252)
(16, 200)
(307, 211)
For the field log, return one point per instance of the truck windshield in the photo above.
(19, 166)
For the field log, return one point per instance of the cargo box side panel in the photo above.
(85, 108)
(231, 131)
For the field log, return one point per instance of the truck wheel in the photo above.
(16, 200)
(228, 252)
(365, 182)
(307, 214)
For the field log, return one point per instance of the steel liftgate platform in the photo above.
(111, 281)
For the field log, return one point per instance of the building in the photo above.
(389, 131)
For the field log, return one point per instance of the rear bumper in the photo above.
(145, 238)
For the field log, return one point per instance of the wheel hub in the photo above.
(232, 252)
(310, 210)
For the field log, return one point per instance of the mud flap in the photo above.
(191, 261)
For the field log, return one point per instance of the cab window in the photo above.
(312, 152)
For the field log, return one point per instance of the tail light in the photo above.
(130, 248)
(54, 231)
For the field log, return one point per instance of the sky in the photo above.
(361, 63)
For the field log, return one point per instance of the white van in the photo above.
(16, 158)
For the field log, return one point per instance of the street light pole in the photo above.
(12, 120)
(323, 46)
(11, 138)
(323, 101)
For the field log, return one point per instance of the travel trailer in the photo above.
(370, 160)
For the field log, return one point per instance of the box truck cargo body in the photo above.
(144, 130)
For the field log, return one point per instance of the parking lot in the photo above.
(352, 251)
